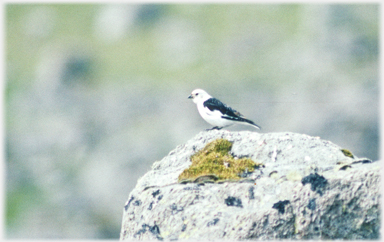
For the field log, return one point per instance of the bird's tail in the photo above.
(243, 120)
(250, 122)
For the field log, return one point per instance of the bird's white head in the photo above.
(199, 95)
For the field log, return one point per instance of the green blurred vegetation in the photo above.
(136, 55)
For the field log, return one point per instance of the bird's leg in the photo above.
(216, 127)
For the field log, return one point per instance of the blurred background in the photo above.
(95, 93)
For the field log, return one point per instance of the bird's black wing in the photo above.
(215, 104)
(227, 112)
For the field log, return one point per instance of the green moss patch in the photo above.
(215, 161)
(347, 153)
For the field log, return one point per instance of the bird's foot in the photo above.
(216, 127)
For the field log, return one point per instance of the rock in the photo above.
(309, 188)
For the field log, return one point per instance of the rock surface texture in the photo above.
(308, 189)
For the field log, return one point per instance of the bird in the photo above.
(217, 113)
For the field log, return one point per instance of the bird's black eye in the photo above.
(197, 94)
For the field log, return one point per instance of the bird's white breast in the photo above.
(213, 117)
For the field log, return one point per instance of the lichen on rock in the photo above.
(215, 161)
(347, 153)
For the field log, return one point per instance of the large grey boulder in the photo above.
(308, 189)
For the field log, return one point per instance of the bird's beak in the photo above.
(190, 96)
